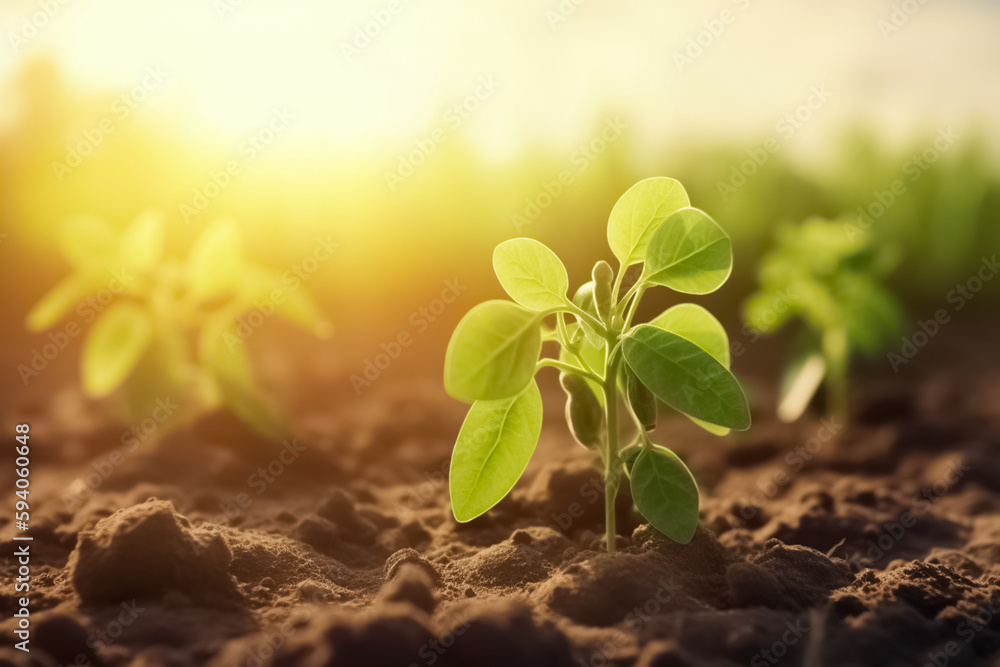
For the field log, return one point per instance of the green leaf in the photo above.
(493, 449)
(801, 379)
(641, 400)
(584, 298)
(767, 310)
(872, 315)
(629, 457)
(639, 212)
(163, 372)
(215, 264)
(296, 304)
(225, 357)
(57, 302)
(302, 308)
(714, 429)
(531, 273)
(113, 346)
(86, 240)
(699, 326)
(689, 253)
(686, 377)
(493, 351)
(665, 493)
(141, 246)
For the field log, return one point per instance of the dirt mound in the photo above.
(147, 550)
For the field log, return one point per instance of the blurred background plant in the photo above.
(169, 330)
(828, 274)
(419, 163)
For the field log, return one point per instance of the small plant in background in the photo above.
(831, 279)
(680, 358)
(168, 330)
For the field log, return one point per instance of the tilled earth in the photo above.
(876, 543)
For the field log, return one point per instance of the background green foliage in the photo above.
(169, 331)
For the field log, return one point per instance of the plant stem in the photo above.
(587, 317)
(624, 300)
(835, 354)
(612, 463)
(836, 389)
(561, 328)
(569, 368)
(632, 308)
(618, 283)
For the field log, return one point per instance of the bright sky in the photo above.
(229, 63)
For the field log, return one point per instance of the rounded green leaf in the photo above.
(163, 372)
(531, 273)
(224, 355)
(689, 253)
(114, 345)
(641, 400)
(584, 298)
(302, 308)
(215, 265)
(686, 377)
(295, 305)
(142, 243)
(714, 429)
(699, 326)
(57, 302)
(86, 240)
(665, 493)
(493, 449)
(639, 212)
(493, 351)
(766, 310)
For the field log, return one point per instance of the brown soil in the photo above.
(880, 546)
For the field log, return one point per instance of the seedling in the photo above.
(166, 329)
(680, 358)
(832, 279)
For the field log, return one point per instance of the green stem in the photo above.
(573, 349)
(586, 366)
(633, 307)
(631, 290)
(836, 389)
(561, 329)
(590, 319)
(618, 283)
(569, 368)
(612, 462)
(835, 354)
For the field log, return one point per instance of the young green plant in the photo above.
(830, 277)
(167, 327)
(680, 358)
